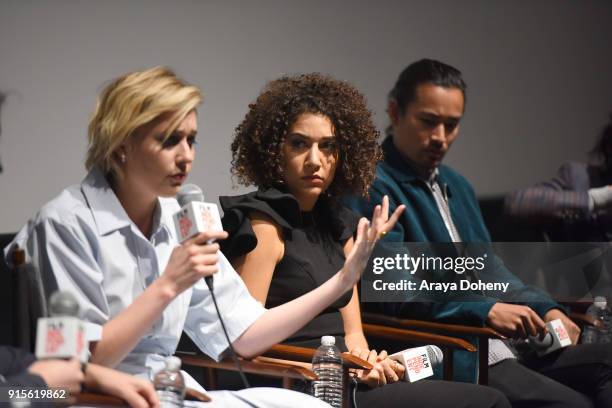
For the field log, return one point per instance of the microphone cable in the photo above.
(209, 283)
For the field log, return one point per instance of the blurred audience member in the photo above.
(577, 202)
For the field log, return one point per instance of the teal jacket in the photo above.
(422, 222)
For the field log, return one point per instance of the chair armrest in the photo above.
(392, 333)
(285, 351)
(435, 327)
(268, 368)
(94, 399)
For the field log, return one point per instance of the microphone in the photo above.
(189, 193)
(419, 361)
(196, 216)
(556, 338)
(63, 334)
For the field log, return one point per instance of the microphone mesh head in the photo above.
(435, 355)
(189, 193)
(63, 303)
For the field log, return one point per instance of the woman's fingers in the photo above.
(381, 222)
(362, 232)
(399, 369)
(373, 230)
(394, 217)
(203, 237)
(372, 357)
(382, 379)
(385, 208)
(389, 372)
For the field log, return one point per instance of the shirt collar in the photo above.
(108, 213)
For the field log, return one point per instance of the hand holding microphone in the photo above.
(419, 362)
(192, 260)
(200, 221)
(410, 365)
(555, 338)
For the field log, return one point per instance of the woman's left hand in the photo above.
(381, 221)
(393, 370)
(383, 371)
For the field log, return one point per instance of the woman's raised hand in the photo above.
(192, 260)
(368, 234)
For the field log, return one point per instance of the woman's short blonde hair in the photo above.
(131, 101)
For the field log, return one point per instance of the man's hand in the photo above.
(515, 320)
(572, 329)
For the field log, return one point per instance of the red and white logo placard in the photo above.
(61, 337)
(197, 217)
(416, 361)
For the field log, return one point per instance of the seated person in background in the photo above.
(306, 141)
(112, 243)
(19, 369)
(578, 199)
(425, 108)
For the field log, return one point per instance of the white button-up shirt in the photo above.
(83, 242)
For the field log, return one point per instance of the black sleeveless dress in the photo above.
(313, 252)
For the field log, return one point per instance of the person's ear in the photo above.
(393, 111)
(120, 154)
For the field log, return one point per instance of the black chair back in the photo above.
(6, 294)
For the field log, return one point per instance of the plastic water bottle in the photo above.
(327, 364)
(600, 313)
(170, 384)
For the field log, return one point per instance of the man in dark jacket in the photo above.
(425, 108)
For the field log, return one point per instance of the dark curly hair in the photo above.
(257, 146)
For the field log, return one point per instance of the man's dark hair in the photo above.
(425, 71)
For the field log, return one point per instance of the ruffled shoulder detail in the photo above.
(284, 210)
(281, 207)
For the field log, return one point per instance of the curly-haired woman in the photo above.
(306, 141)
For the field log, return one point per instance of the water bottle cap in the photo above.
(328, 340)
(600, 302)
(172, 363)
